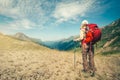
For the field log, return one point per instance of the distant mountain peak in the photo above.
(19, 33)
(22, 36)
(115, 23)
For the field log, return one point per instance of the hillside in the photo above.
(110, 41)
(111, 33)
(24, 37)
(11, 43)
(25, 60)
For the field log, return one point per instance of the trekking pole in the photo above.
(74, 58)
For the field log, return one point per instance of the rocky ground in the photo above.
(54, 65)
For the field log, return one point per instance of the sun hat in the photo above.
(84, 22)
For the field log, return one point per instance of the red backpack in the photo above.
(96, 32)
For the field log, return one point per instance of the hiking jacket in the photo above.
(88, 38)
(82, 34)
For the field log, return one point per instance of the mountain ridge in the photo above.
(8, 43)
(109, 41)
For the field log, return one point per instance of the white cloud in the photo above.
(9, 8)
(26, 13)
(19, 24)
(26, 24)
(71, 10)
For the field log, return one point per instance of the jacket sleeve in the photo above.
(89, 37)
(81, 34)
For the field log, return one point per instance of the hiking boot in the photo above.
(92, 73)
(93, 70)
(85, 71)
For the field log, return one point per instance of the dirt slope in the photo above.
(53, 65)
(29, 61)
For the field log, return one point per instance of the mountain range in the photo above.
(110, 39)
(64, 44)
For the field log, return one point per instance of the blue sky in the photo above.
(54, 19)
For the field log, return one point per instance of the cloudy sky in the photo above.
(54, 19)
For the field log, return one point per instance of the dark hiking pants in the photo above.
(88, 50)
